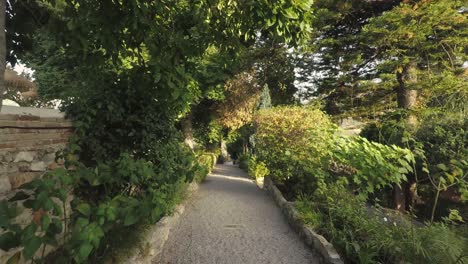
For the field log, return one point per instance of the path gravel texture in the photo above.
(231, 220)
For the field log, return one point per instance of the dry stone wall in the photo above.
(29, 141)
(28, 144)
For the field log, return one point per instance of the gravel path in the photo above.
(230, 220)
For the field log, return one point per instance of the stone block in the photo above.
(22, 166)
(6, 156)
(25, 156)
(38, 166)
(18, 179)
(53, 166)
(5, 185)
(3, 168)
(48, 158)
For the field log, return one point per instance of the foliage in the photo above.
(293, 142)
(244, 160)
(338, 56)
(112, 195)
(439, 145)
(206, 162)
(366, 235)
(257, 169)
(444, 138)
(373, 165)
(275, 69)
(301, 148)
(243, 95)
(265, 99)
(360, 47)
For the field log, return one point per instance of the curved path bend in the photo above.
(230, 220)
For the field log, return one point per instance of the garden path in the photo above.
(230, 220)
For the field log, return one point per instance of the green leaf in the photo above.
(85, 250)
(81, 222)
(29, 232)
(130, 219)
(7, 213)
(62, 194)
(442, 167)
(84, 209)
(19, 196)
(31, 246)
(45, 222)
(9, 240)
(55, 227)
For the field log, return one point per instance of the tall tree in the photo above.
(373, 56)
(275, 68)
(2, 50)
(131, 63)
(339, 55)
(424, 44)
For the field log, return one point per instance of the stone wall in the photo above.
(29, 140)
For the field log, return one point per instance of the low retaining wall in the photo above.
(327, 252)
(155, 236)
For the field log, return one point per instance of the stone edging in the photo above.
(328, 253)
(157, 234)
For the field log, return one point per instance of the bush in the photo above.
(364, 236)
(304, 154)
(294, 143)
(244, 160)
(257, 169)
(371, 166)
(439, 143)
(444, 138)
(206, 162)
(110, 196)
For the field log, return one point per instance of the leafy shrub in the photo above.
(294, 143)
(366, 237)
(257, 169)
(304, 153)
(439, 143)
(444, 138)
(112, 195)
(244, 160)
(206, 162)
(372, 165)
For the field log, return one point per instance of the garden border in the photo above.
(155, 237)
(328, 253)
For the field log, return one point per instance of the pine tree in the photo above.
(265, 99)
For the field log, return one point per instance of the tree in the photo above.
(275, 68)
(370, 57)
(339, 56)
(132, 66)
(265, 99)
(2, 50)
(424, 44)
(243, 95)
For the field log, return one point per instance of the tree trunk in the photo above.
(406, 98)
(2, 50)
(187, 130)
